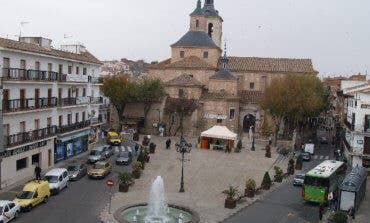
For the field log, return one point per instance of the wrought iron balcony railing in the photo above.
(16, 105)
(31, 136)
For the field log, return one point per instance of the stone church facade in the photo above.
(228, 89)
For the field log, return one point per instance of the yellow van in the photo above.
(33, 193)
(114, 139)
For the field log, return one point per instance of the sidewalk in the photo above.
(207, 174)
(9, 192)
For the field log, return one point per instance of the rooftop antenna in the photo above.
(22, 23)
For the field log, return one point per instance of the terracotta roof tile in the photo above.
(184, 80)
(34, 48)
(191, 62)
(271, 64)
(160, 65)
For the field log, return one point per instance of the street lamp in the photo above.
(183, 147)
(253, 142)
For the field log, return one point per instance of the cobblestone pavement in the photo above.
(207, 174)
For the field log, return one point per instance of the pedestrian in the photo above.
(330, 200)
(168, 144)
(136, 148)
(352, 212)
(38, 172)
(321, 211)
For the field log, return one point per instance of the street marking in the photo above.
(321, 157)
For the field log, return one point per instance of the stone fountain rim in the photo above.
(194, 214)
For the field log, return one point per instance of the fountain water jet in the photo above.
(157, 206)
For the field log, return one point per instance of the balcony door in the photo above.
(367, 145)
(37, 98)
(22, 97)
(22, 127)
(23, 69)
(6, 99)
(60, 120)
(6, 62)
(50, 95)
(37, 65)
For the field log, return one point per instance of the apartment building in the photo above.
(51, 101)
(356, 135)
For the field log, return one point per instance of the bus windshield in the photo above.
(316, 181)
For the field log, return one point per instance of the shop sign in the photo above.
(212, 116)
(23, 149)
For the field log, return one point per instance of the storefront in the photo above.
(69, 146)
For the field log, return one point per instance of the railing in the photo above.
(31, 136)
(96, 120)
(72, 127)
(28, 104)
(67, 102)
(96, 100)
(29, 75)
(95, 80)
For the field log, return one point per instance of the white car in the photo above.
(58, 179)
(9, 210)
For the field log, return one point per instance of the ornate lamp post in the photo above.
(253, 148)
(183, 147)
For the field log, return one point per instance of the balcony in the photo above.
(16, 74)
(17, 105)
(96, 100)
(67, 102)
(350, 126)
(95, 80)
(72, 127)
(27, 137)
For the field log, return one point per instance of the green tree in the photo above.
(183, 107)
(120, 91)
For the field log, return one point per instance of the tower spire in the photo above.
(224, 59)
(198, 9)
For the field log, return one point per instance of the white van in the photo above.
(309, 148)
(58, 179)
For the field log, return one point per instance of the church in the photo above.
(227, 88)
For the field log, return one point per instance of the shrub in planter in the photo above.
(137, 167)
(278, 177)
(266, 182)
(339, 217)
(250, 188)
(290, 169)
(152, 147)
(135, 137)
(299, 163)
(146, 141)
(231, 197)
(239, 146)
(268, 151)
(124, 181)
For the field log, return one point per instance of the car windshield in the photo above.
(25, 195)
(99, 166)
(51, 179)
(316, 181)
(73, 168)
(124, 155)
(299, 176)
(114, 137)
(95, 152)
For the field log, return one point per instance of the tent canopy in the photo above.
(219, 132)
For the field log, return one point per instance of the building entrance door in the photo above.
(248, 122)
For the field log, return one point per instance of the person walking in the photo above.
(168, 144)
(38, 172)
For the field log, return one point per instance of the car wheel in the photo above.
(16, 214)
(29, 207)
(46, 199)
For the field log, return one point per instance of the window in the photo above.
(77, 93)
(181, 93)
(69, 69)
(6, 62)
(69, 119)
(37, 65)
(6, 209)
(77, 70)
(11, 205)
(23, 64)
(197, 23)
(22, 126)
(60, 120)
(182, 54)
(48, 122)
(219, 120)
(77, 117)
(205, 54)
(21, 163)
(83, 116)
(84, 71)
(210, 30)
(251, 85)
(232, 113)
(84, 92)
(65, 174)
(60, 68)
(35, 158)
(6, 129)
(37, 124)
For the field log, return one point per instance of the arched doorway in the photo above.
(249, 120)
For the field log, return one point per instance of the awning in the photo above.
(219, 132)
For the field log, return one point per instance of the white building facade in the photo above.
(356, 139)
(51, 104)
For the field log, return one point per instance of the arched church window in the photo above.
(197, 23)
(210, 29)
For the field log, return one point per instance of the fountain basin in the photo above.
(138, 214)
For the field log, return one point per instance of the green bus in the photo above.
(323, 179)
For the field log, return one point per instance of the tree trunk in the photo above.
(147, 107)
(120, 111)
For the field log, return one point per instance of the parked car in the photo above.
(58, 179)
(108, 151)
(33, 193)
(76, 171)
(309, 147)
(113, 138)
(96, 155)
(299, 179)
(9, 210)
(100, 170)
(323, 140)
(306, 156)
(124, 158)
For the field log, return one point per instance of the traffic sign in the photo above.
(110, 183)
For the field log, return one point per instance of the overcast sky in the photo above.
(335, 34)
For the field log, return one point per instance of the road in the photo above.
(82, 201)
(285, 204)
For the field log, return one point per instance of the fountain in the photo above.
(157, 210)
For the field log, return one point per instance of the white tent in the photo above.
(219, 132)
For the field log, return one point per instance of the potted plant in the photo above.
(299, 163)
(141, 158)
(268, 151)
(290, 169)
(136, 136)
(152, 147)
(146, 141)
(231, 197)
(250, 188)
(137, 167)
(266, 182)
(125, 180)
(146, 155)
(278, 177)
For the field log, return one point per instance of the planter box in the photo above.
(249, 193)
(123, 188)
(136, 174)
(230, 204)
